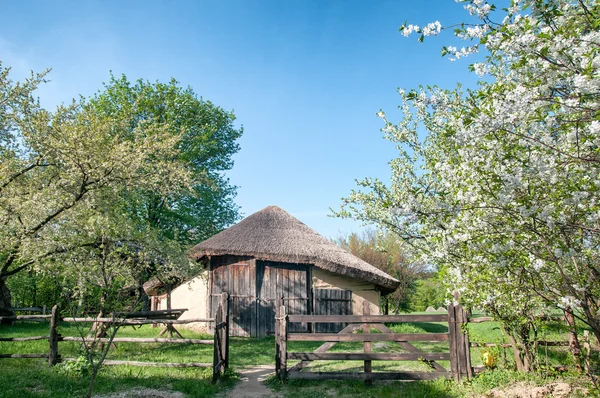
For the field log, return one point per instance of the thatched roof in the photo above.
(274, 235)
(154, 287)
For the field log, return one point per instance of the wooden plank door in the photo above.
(236, 278)
(274, 280)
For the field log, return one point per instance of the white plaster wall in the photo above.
(192, 295)
(361, 291)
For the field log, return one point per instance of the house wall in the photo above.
(192, 295)
(361, 290)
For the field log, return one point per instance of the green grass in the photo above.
(34, 378)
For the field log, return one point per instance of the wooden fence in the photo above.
(459, 357)
(220, 341)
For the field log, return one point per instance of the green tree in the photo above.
(429, 292)
(208, 141)
(58, 166)
(387, 253)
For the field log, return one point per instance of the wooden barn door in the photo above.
(237, 277)
(274, 280)
(332, 302)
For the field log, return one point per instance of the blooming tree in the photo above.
(503, 189)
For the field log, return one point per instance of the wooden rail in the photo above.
(24, 338)
(367, 337)
(34, 318)
(113, 362)
(377, 356)
(367, 318)
(138, 340)
(368, 376)
(131, 322)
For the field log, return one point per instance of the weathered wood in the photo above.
(368, 337)
(111, 362)
(366, 328)
(24, 355)
(278, 339)
(368, 318)
(30, 318)
(140, 340)
(410, 348)
(452, 338)
(368, 376)
(24, 338)
(152, 314)
(226, 331)
(217, 345)
(359, 356)
(125, 322)
(323, 348)
(53, 357)
(235, 275)
(331, 302)
(277, 279)
(29, 309)
(283, 343)
(463, 345)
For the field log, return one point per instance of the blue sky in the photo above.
(304, 77)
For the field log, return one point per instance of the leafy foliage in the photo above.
(389, 255)
(208, 140)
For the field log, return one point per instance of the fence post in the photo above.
(366, 328)
(278, 305)
(217, 353)
(452, 342)
(225, 332)
(460, 347)
(283, 343)
(280, 340)
(53, 356)
(464, 320)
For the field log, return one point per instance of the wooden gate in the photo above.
(274, 280)
(459, 353)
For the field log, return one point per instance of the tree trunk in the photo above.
(516, 352)
(590, 309)
(573, 341)
(5, 300)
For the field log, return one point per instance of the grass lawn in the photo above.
(34, 378)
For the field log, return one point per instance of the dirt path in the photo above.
(251, 383)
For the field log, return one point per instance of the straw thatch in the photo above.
(274, 235)
(154, 287)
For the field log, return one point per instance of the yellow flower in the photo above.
(488, 358)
